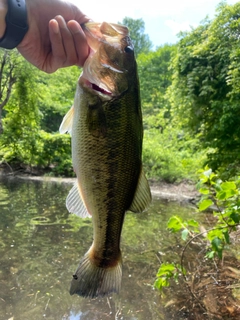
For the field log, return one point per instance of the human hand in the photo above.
(55, 38)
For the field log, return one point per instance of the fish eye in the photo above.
(128, 49)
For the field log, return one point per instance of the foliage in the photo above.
(140, 40)
(21, 121)
(166, 272)
(171, 155)
(10, 62)
(38, 101)
(224, 198)
(205, 86)
(155, 78)
(51, 151)
(57, 94)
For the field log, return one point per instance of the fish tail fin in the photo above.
(91, 281)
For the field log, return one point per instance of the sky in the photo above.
(163, 18)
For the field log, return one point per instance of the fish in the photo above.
(105, 123)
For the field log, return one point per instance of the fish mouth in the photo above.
(97, 89)
(103, 72)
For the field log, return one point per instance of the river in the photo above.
(41, 245)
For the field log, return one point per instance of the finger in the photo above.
(80, 41)
(63, 52)
(58, 55)
(68, 42)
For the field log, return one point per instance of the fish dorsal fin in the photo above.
(74, 203)
(66, 125)
(142, 197)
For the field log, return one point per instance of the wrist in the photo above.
(16, 24)
(3, 13)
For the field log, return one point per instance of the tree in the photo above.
(21, 120)
(8, 76)
(32, 114)
(206, 82)
(141, 41)
(155, 77)
(57, 95)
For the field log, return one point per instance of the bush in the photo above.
(170, 155)
(48, 151)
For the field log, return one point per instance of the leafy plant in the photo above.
(224, 199)
(171, 155)
(224, 196)
(166, 272)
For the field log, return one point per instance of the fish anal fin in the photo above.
(75, 204)
(66, 125)
(142, 197)
(91, 280)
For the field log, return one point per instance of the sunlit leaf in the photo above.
(175, 223)
(210, 254)
(193, 223)
(206, 203)
(204, 190)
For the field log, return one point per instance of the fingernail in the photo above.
(54, 25)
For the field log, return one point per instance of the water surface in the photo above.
(41, 245)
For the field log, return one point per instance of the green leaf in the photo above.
(217, 246)
(221, 195)
(175, 223)
(166, 269)
(193, 223)
(228, 185)
(210, 254)
(226, 236)
(160, 283)
(206, 203)
(204, 190)
(235, 217)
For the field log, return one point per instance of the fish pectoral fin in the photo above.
(66, 125)
(142, 197)
(75, 204)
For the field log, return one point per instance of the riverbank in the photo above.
(184, 192)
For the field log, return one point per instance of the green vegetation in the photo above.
(204, 103)
(32, 107)
(190, 103)
(224, 199)
(205, 86)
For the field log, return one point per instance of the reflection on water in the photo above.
(41, 245)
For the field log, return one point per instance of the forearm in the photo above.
(3, 12)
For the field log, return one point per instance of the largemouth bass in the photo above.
(105, 123)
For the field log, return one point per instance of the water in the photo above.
(41, 245)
